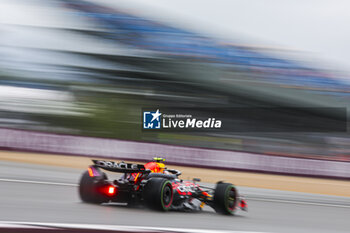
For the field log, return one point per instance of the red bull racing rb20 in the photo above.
(155, 186)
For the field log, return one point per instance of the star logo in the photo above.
(156, 115)
(151, 120)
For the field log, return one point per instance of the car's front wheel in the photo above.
(225, 198)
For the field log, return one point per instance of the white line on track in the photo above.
(248, 198)
(118, 227)
(13, 225)
(298, 202)
(37, 182)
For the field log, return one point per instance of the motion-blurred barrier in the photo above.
(129, 150)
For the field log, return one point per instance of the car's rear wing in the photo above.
(121, 167)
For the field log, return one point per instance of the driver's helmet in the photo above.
(156, 166)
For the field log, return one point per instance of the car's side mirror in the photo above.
(196, 180)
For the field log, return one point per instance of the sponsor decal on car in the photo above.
(121, 165)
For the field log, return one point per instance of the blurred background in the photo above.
(89, 67)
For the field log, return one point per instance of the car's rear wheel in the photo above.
(158, 194)
(225, 198)
(88, 189)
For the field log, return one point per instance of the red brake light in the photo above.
(111, 190)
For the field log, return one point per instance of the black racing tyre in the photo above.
(88, 189)
(158, 194)
(225, 198)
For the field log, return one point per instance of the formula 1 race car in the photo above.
(155, 186)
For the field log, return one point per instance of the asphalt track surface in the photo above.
(33, 193)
